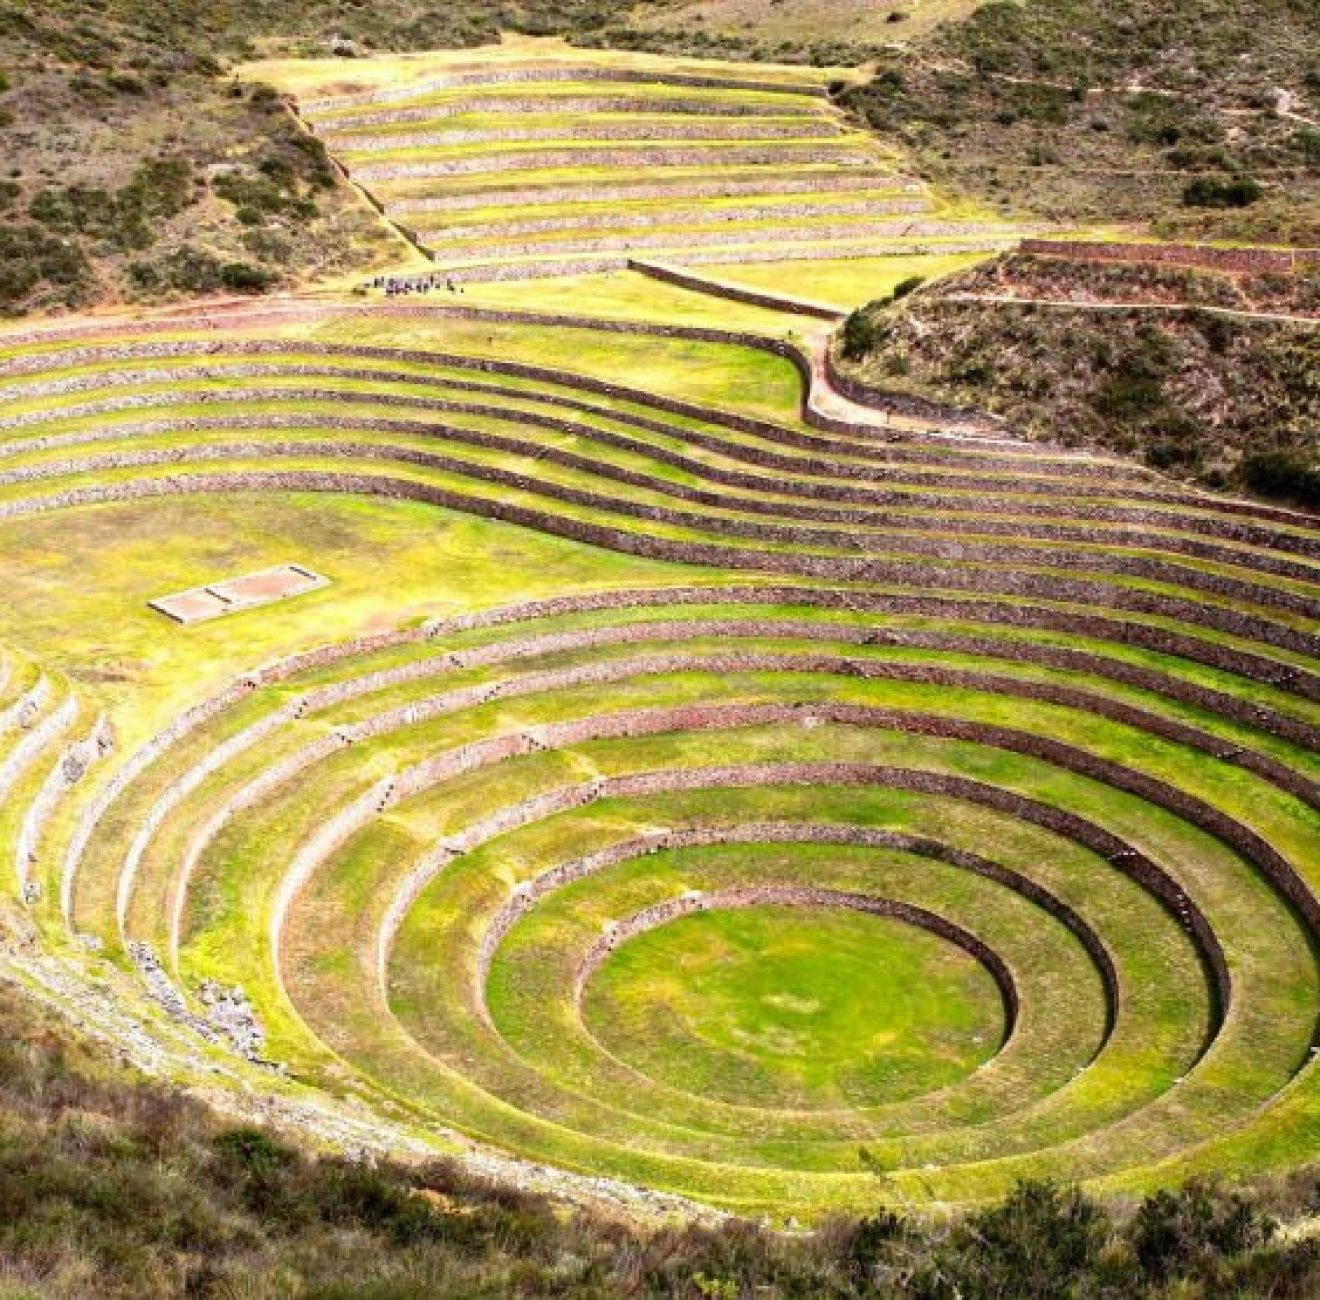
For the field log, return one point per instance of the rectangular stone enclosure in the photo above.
(199, 604)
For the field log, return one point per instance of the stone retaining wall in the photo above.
(525, 897)
(623, 191)
(734, 292)
(1232, 260)
(67, 770)
(804, 896)
(670, 216)
(710, 106)
(26, 752)
(1021, 584)
(835, 485)
(780, 347)
(659, 664)
(647, 722)
(624, 129)
(786, 349)
(1131, 862)
(781, 236)
(747, 254)
(513, 76)
(25, 710)
(945, 550)
(516, 160)
(811, 488)
(644, 722)
(177, 791)
(907, 404)
(948, 547)
(1149, 637)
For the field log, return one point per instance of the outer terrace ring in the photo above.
(1159, 745)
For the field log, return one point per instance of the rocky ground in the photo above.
(1168, 364)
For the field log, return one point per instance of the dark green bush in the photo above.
(1128, 393)
(126, 83)
(243, 277)
(252, 1149)
(1211, 192)
(184, 270)
(1037, 1245)
(32, 258)
(859, 335)
(1190, 1233)
(1283, 474)
(1306, 142)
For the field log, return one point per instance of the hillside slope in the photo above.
(1203, 115)
(1201, 374)
(115, 1188)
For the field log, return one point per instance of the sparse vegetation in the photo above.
(1190, 391)
(1158, 111)
(120, 1190)
(1236, 192)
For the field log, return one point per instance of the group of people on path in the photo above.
(393, 285)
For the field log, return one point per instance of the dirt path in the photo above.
(1235, 313)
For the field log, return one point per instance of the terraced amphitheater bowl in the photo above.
(670, 785)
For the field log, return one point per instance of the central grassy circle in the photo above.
(796, 1007)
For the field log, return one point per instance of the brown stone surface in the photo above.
(198, 604)
(190, 606)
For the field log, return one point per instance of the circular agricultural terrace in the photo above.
(866, 815)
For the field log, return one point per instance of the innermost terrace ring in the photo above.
(790, 997)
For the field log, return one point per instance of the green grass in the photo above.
(770, 1006)
(844, 284)
(741, 1056)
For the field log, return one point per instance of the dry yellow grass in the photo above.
(770, 22)
(315, 77)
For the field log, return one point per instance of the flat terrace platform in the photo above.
(201, 604)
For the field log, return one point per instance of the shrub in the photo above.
(1282, 474)
(126, 218)
(1038, 1245)
(1190, 1232)
(31, 257)
(905, 287)
(1211, 192)
(859, 335)
(1306, 142)
(1162, 121)
(126, 83)
(193, 270)
(243, 277)
(1171, 454)
(252, 1149)
(186, 270)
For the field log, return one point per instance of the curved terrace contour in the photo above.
(1042, 724)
